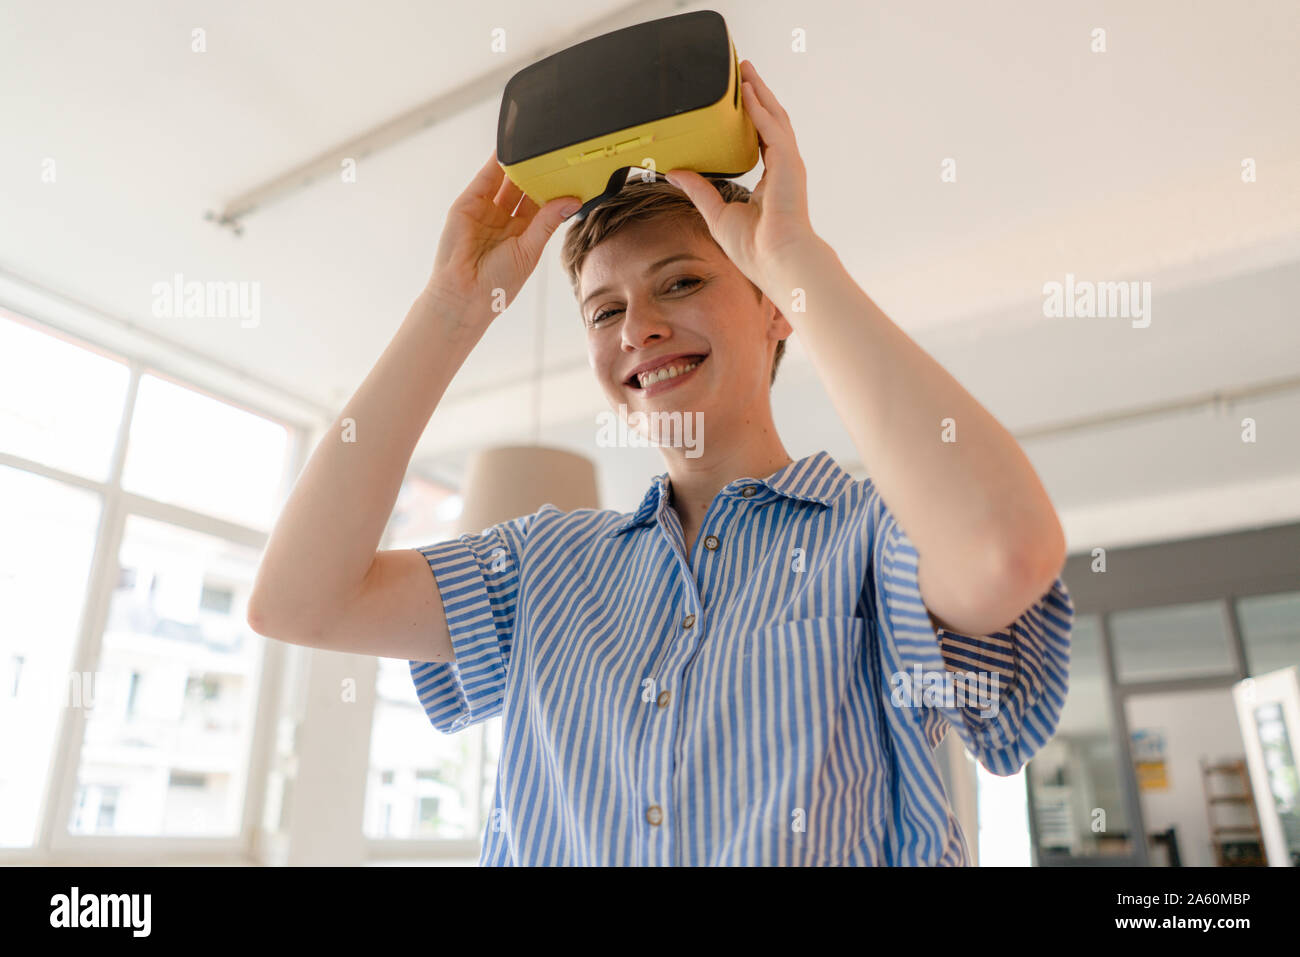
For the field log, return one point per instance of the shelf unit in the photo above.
(1236, 845)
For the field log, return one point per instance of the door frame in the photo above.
(1222, 568)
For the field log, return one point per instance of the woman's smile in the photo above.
(663, 379)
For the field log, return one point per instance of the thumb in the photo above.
(545, 222)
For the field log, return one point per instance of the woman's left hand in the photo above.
(755, 234)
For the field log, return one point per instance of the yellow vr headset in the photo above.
(659, 96)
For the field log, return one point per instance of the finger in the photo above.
(767, 101)
(527, 210)
(701, 193)
(487, 180)
(766, 124)
(508, 195)
(777, 139)
(765, 95)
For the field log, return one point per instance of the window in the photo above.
(429, 820)
(60, 404)
(425, 512)
(423, 784)
(165, 710)
(191, 676)
(432, 780)
(1175, 641)
(216, 599)
(1003, 819)
(1078, 798)
(181, 450)
(1270, 630)
(95, 810)
(133, 694)
(179, 779)
(45, 554)
(107, 810)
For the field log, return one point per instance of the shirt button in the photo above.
(663, 699)
(749, 491)
(688, 621)
(654, 815)
(711, 543)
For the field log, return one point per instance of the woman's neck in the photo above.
(696, 482)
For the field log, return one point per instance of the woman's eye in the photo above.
(606, 313)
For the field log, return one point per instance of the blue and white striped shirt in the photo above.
(776, 700)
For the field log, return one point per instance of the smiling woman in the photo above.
(745, 618)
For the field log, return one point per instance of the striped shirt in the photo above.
(775, 700)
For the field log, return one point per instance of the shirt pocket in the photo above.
(811, 724)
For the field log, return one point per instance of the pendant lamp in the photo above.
(505, 482)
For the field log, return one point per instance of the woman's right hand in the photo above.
(488, 245)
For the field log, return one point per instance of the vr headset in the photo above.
(657, 96)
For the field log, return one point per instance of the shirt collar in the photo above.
(816, 478)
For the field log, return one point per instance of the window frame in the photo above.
(55, 842)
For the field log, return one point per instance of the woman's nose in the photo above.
(642, 323)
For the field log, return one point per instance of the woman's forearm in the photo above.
(960, 485)
(329, 530)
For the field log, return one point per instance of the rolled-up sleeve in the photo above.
(1003, 692)
(478, 577)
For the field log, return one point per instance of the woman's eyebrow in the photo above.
(648, 270)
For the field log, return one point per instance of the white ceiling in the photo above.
(1113, 166)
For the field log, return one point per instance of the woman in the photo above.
(751, 668)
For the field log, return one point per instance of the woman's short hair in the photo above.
(640, 200)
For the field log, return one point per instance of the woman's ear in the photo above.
(778, 327)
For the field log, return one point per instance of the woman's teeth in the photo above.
(648, 379)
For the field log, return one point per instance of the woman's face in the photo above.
(698, 309)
